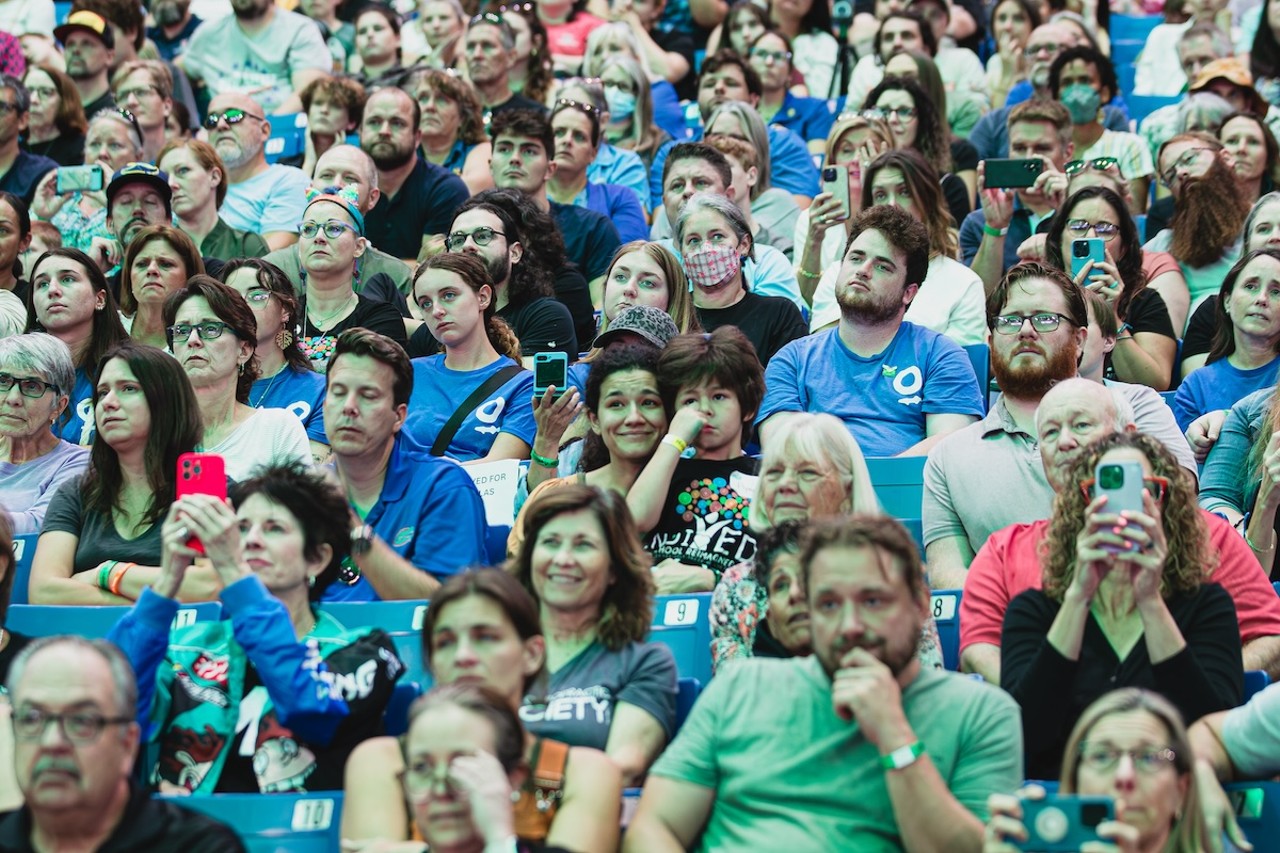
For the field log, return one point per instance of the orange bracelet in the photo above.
(117, 575)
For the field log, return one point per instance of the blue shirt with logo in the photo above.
(429, 512)
(438, 391)
(299, 391)
(78, 424)
(882, 399)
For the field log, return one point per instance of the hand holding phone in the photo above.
(201, 474)
(84, 179)
(1064, 822)
(1012, 173)
(835, 180)
(550, 369)
(1085, 250)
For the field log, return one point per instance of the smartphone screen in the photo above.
(550, 368)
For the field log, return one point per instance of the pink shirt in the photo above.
(570, 38)
(1009, 563)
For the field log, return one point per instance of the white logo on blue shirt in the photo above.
(908, 383)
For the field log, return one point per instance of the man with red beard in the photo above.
(989, 475)
(1209, 211)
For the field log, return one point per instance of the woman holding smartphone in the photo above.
(1124, 601)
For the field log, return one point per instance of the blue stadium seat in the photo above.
(1258, 811)
(276, 823)
(402, 620)
(24, 552)
(1132, 27)
(980, 358)
(945, 605)
(43, 620)
(1168, 396)
(1276, 587)
(61, 11)
(1255, 681)
(683, 624)
(899, 484)
(1141, 106)
(1125, 51)
(288, 136)
(687, 693)
(495, 543)
(395, 719)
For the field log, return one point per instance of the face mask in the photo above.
(712, 266)
(622, 105)
(1082, 101)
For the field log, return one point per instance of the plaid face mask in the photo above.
(712, 266)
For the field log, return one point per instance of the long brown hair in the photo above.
(627, 608)
(1224, 337)
(70, 118)
(183, 246)
(926, 192)
(473, 273)
(1190, 559)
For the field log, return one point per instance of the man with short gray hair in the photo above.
(74, 708)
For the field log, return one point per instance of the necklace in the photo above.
(267, 390)
(327, 319)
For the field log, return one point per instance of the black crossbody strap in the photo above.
(478, 396)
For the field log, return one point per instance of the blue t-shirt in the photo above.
(808, 118)
(577, 376)
(438, 391)
(791, 165)
(620, 205)
(429, 512)
(619, 166)
(299, 391)
(80, 426)
(1218, 385)
(883, 399)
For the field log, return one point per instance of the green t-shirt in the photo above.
(791, 775)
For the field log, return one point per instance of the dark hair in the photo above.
(1029, 9)
(182, 116)
(1128, 262)
(778, 538)
(361, 341)
(724, 57)
(1078, 312)
(498, 586)
(177, 239)
(475, 275)
(1224, 339)
(484, 702)
(930, 80)
(926, 31)
(457, 89)
(538, 77)
(108, 332)
(1272, 168)
(816, 20)
(881, 532)
(1091, 56)
(931, 128)
(1264, 55)
(176, 428)
(608, 361)
(524, 223)
(737, 10)
(231, 308)
(125, 14)
(272, 278)
(204, 154)
(926, 192)
(698, 151)
(389, 15)
(903, 231)
(627, 607)
(320, 508)
(527, 124)
(593, 117)
(343, 91)
(725, 356)
(70, 118)
(24, 223)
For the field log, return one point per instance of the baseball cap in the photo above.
(90, 22)
(140, 173)
(652, 324)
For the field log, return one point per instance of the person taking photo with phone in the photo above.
(1124, 602)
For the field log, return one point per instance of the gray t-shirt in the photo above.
(576, 706)
(99, 539)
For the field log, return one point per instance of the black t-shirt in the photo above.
(957, 195)
(769, 322)
(542, 325)
(706, 519)
(515, 102)
(1159, 215)
(107, 101)
(963, 155)
(17, 642)
(423, 206)
(1147, 313)
(572, 291)
(65, 149)
(675, 41)
(590, 240)
(371, 314)
(1201, 329)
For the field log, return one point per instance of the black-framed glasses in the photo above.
(577, 105)
(233, 115)
(1186, 161)
(332, 229)
(79, 727)
(768, 56)
(209, 330)
(1146, 760)
(1043, 322)
(1106, 230)
(1098, 164)
(482, 236)
(28, 386)
(900, 113)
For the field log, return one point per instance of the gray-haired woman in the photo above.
(36, 378)
(714, 239)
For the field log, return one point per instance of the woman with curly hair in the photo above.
(1124, 603)
(582, 562)
(1147, 344)
(452, 126)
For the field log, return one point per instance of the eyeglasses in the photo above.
(1157, 487)
(421, 776)
(771, 56)
(577, 105)
(138, 92)
(1033, 50)
(1188, 159)
(42, 91)
(1098, 164)
(900, 113)
(1044, 322)
(482, 236)
(1148, 760)
(210, 330)
(79, 727)
(1106, 230)
(28, 386)
(233, 116)
(332, 229)
(257, 297)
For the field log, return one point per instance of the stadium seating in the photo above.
(1141, 106)
(683, 624)
(288, 136)
(24, 552)
(402, 620)
(899, 485)
(945, 604)
(1258, 811)
(687, 692)
(395, 719)
(1124, 28)
(277, 823)
(42, 620)
(980, 358)
(1255, 681)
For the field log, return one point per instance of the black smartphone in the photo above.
(550, 368)
(1011, 174)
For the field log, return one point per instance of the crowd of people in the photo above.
(691, 265)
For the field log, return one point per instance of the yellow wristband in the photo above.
(676, 441)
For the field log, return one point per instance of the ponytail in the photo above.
(502, 336)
